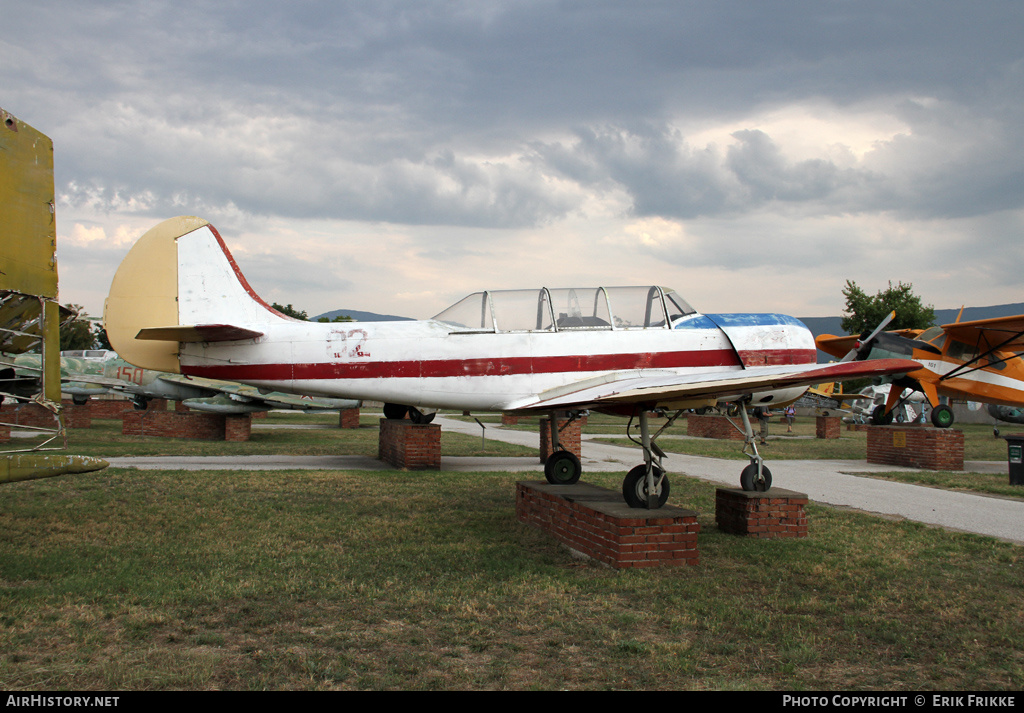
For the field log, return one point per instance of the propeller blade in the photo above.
(854, 354)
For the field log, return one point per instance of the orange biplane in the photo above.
(975, 361)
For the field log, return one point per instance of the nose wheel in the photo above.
(756, 476)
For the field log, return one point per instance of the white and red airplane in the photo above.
(179, 303)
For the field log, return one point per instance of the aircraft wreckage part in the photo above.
(32, 466)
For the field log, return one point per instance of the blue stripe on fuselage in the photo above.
(746, 319)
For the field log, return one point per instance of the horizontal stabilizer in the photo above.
(198, 333)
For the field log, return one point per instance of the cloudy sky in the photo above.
(395, 156)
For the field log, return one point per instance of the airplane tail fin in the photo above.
(177, 284)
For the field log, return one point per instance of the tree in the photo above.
(301, 314)
(291, 311)
(77, 331)
(864, 313)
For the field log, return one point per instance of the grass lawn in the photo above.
(154, 580)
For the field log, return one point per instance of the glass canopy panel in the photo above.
(521, 310)
(636, 307)
(677, 306)
(581, 308)
(471, 313)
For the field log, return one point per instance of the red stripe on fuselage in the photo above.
(777, 357)
(498, 366)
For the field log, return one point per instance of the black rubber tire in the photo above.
(942, 416)
(880, 418)
(749, 482)
(634, 487)
(395, 412)
(562, 468)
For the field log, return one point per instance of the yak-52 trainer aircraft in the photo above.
(974, 361)
(178, 303)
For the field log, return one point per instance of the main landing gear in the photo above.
(562, 467)
(647, 485)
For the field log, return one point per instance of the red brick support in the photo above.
(508, 419)
(237, 427)
(713, 427)
(348, 418)
(827, 426)
(568, 437)
(174, 424)
(408, 445)
(916, 447)
(770, 514)
(109, 408)
(596, 523)
(5, 432)
(28, 414)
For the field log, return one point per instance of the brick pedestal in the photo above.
(916, 447)
(568, 437)
(5, 432)
(827, 426)
(596, 523)
(348, 418)
(174, 424)
(109, 408)
(713, 427)
(508, 419)
(408, 445)
(28, 414)
(773, 513)
(238, 427)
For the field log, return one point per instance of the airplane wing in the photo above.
(1003, 333)
(673, 388)
(243, 397)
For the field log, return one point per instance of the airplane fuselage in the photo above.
(431, 364)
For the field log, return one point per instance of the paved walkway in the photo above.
(824, 481)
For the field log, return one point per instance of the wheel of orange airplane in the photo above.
(942, 416)
(880, 418)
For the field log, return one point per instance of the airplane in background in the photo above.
(91, 372)
(972, 361)
(909, 408)
(179, 304)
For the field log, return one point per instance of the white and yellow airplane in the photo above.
(179, 303)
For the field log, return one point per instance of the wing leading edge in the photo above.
(674, 388)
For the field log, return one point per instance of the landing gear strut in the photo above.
(756, 476)
(646, 486)
(562, 467)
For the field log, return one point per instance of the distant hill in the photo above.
(359, 316)
(830, 325)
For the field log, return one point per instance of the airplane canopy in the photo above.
(563, 309)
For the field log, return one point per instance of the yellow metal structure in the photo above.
(29, 312)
